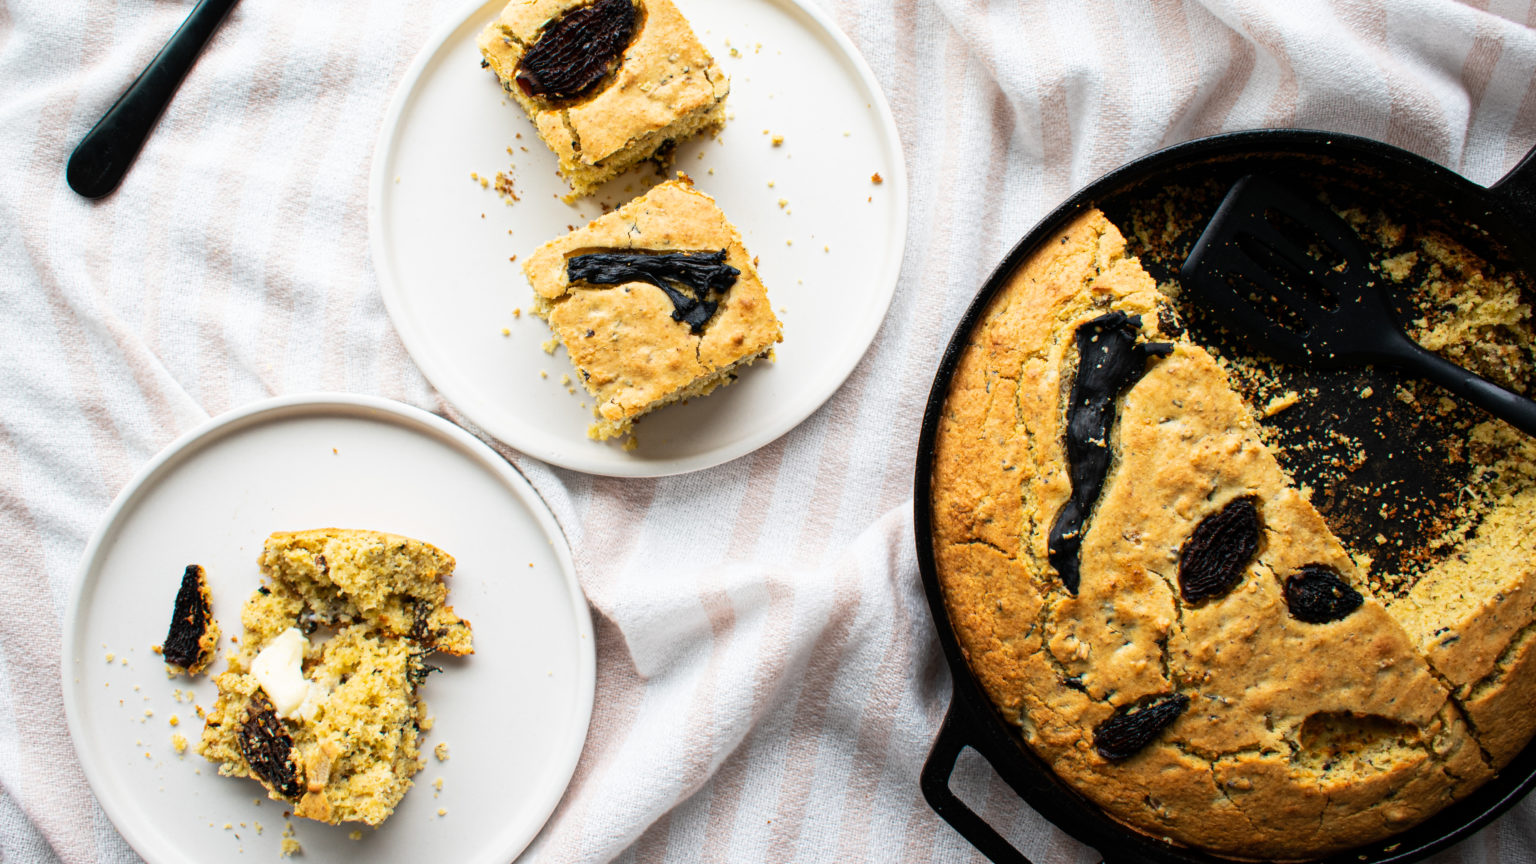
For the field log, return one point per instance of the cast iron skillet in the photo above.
(1496, 221)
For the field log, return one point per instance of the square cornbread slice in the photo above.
(640, 335)
(607, 83)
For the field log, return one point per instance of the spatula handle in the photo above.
(1512, 408)
(104, 154)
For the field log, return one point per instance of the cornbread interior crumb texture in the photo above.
(373, 605)
(666, 89)
(1299, 738)
(628, 351)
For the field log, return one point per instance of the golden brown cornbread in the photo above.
(1299, 738)
(352, 748)
(627, 349)
(667, 88)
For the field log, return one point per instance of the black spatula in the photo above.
(1294, 276)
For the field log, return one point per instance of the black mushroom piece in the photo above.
(268, 749)
(1133, 726)
(1318, 595)
(1214, 558)
(189, 622)
(576, 51)
(687, 278)
(1110, 361)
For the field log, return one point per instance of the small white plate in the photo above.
(514, 714)
(829, 256)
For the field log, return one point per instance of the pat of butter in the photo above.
(280, 671)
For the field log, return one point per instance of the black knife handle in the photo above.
(104, 154)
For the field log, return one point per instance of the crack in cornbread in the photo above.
(348, 750)
(630, 351)
(666, 89)
(1299, 738)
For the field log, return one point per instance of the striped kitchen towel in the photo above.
(766, 691)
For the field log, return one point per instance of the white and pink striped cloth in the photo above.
(768, 689)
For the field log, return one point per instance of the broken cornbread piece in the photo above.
(656, 302)
(607, 83)
(194, 634)
(332, 725)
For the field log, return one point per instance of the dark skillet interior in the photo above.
(1420, 481)
(1333, 442)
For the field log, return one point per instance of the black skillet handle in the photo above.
(935, 783)
(1518, 189)
(1512, 408)
(104, 154)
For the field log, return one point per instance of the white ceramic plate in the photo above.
(514, 714)
(450, 289)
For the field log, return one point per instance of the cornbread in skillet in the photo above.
(607, 83)
(1200, 655)
(194, 633)
(656, 302)
(320, 704)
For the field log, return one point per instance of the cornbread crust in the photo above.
(1300, 739)
(667, 88)
(354, 753)
(627, 350)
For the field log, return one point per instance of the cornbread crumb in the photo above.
(179, 742)
(1280, 403)
(504, 186)
(290, 846)
(111, 656)
(441, 751)
(355, 835)
(876, 179)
